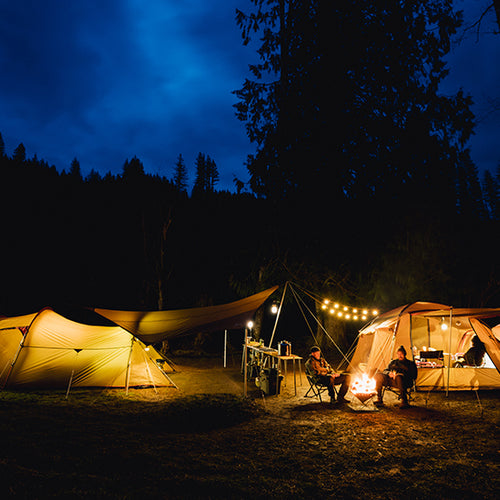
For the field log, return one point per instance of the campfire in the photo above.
(363, 387)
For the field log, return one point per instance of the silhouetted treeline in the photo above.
(362, 184)
(135, 241)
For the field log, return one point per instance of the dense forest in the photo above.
(361, 185)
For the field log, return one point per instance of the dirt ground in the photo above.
(446, 446)
(203, 439)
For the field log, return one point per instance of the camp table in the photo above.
(264, 354)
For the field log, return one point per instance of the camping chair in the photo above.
(315, 390)
(409, 391)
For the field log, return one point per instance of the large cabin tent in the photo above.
(435, 335)
(48, 350)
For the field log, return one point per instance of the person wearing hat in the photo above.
(323, 374)
(400, 374)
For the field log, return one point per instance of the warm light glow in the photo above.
(348, 312)
(444, 326)
(250, 324)
(274, 309)
(363, 385)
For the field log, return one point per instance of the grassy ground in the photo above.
(106, 444)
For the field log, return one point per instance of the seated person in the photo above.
(400, 373)
(475, 355)
(323, 374)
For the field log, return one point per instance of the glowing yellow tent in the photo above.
(435, 336)
(47, 350)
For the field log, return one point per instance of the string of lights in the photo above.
(347, 312)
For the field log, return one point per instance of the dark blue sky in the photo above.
(106, 80)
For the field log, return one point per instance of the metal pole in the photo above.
(69, 384)
(449, 354)
(278, 315)
(225, 348)
(245, 364)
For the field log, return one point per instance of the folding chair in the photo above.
(409, 391)
(315, 388)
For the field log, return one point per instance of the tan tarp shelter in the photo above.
(48, 350)
(154, 326)
(428, 327)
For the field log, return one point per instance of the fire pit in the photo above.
(363, 388)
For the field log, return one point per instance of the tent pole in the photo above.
(72, 373)
(69, 383)
(278, 315)
(149, 371)
(245, 363)
(225, 348)
(449, 353)
(127, 375)
(21, 345)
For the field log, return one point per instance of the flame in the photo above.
(363, 385)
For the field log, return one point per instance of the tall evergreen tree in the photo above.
(470, 202)
(19, 155)
(133, 169)
(344, 102)
(180, 179)
(491, 188)
(207, 174)
(212, 173)
(75, 171)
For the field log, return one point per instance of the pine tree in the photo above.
(207, 174)
(344, 102)
(19, 155)
(212, 173)
(469, 194)
(491, 188)
(180, 179)
(75, 171)
(133, 169)
(94, 177)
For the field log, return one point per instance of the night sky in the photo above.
(107, 80)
